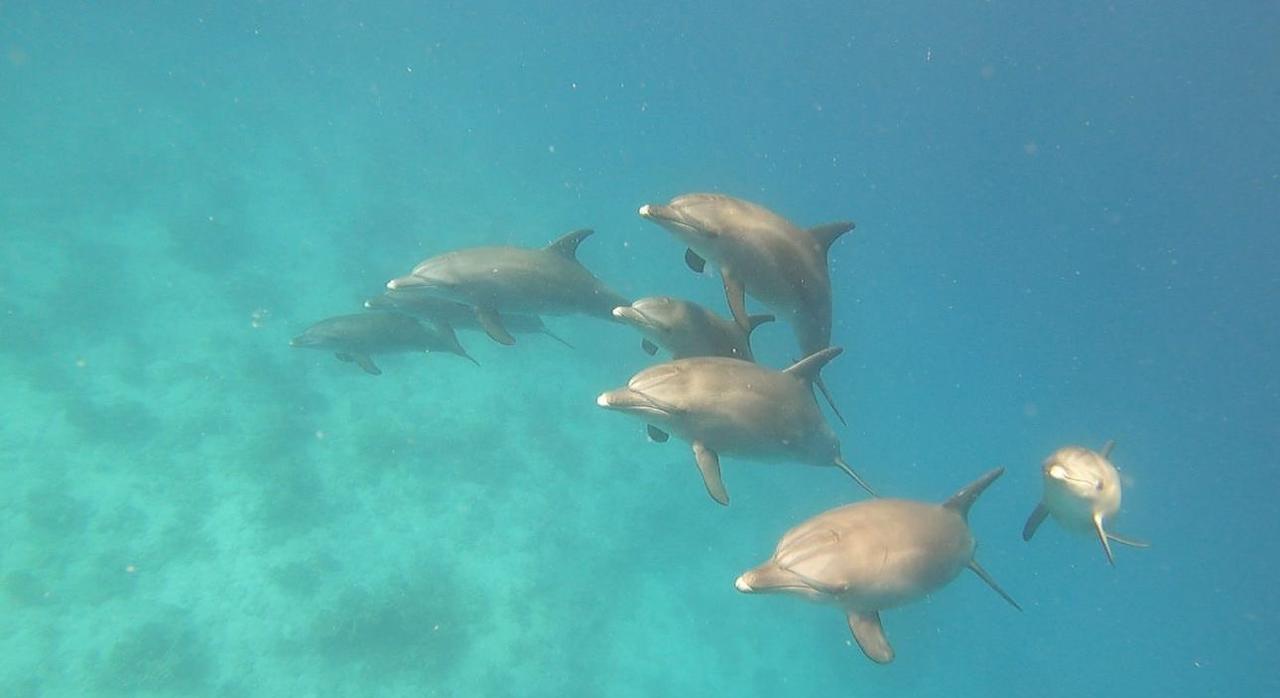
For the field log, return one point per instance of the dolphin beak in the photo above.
(630, 315)
(742, 585)
(656, 212)
(632, 402)
(410, 281)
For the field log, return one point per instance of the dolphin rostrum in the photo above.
(357, 338)
(494, 280)
(875, 555)
(735, 407)
(1081, 491)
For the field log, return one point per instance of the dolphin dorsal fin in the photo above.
(962, 500)
(808, 367)
(1106, 448)
(826, 235)
(567, 245)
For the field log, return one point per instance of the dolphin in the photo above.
(760, 253)
(359, 337)
(460, 315)
(687, 329)
(875, 555)
(1081, 490)
(722, 405)
(494, 280)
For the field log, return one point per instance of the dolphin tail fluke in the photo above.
(962, 500)
(841, 464)
(1033, 522)
(1102, 537)
(982, 574)
(866, 629)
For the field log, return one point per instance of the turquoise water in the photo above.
(1067, 233)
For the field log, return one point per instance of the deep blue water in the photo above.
(1067, 233)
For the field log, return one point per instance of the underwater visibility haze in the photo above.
(1066, 235)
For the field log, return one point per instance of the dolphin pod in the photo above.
(864, 557)
(762, 254)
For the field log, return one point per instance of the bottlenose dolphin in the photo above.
(760, 253)
(460, 315)
(875, 555)
(1081, 490)
(359, 337)
(721, 405)
(494, 280)
(687, 329)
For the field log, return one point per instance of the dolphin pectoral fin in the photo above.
(451, 337)
(736, 294)
(709, 466)
(649, 347)
(1106, 448)
(982, 574)
(841, 464)
(825, 235)
(821, 385)
(1033, 522)
(567, 245)
(366, 363)
(547, 331)
(1131, 542)
(344, 357)
(866, 629)
(656, 435)
(492, 324)
(694, 260)
(1102, 536)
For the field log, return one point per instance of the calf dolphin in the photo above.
(875, 555)
(687, 329)
(760, 253)
(494, 280)
(721, 405)
(1081, 491)
(460, 315)
(359, 337)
